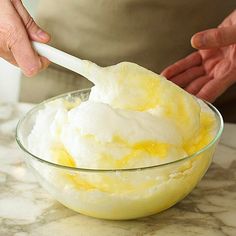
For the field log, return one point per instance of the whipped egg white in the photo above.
(133, 118)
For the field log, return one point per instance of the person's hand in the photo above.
(208, 72)
(17, 29)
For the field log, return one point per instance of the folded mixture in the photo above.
(133, 118)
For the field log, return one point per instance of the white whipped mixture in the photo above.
(133, 118)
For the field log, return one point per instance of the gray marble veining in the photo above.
(26, 209)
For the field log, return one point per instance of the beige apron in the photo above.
(152, 33)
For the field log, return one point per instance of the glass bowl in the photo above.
(117, 194)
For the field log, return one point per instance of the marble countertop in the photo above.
(26, 209)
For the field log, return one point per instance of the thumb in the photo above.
(34, 31)
(214, 38)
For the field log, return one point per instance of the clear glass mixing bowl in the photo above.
(122, 193)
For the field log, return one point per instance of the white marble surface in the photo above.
(26, 209)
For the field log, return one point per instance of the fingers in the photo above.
(214, 38)
(20, 46)
(188, 76)
(195, 86)
(15, 45)
(214, 88)
(34, 31)
(180, 66)
(44, 62)
(231, 18)
(9, 57)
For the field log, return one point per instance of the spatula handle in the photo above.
(83, 67)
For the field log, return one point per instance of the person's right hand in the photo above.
(17, 29)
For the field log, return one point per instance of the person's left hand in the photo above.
(208, 72)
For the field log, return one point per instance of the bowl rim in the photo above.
(36, 107)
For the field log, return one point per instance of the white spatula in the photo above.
(82, 67)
